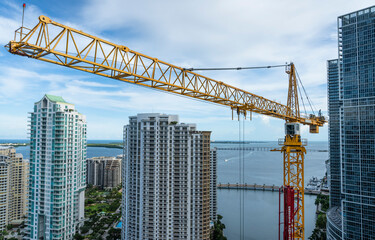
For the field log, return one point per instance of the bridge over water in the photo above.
(263, 187)
(261, 149)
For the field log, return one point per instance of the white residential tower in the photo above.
(57, 169)
(166, 185)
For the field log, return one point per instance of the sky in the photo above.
(212, 33)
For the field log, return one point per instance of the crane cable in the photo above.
(308, 99)
(243, 176)
(262, 67)
(241, 173)
(235, 68)
(303, 102)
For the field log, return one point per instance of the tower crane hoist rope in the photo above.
(62, 45)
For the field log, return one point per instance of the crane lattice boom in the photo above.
(53, 42)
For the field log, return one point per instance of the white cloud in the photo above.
(189, 34)
(231, 33)
(265, 119)
(130, 98)
(19, 85)
(92, 84)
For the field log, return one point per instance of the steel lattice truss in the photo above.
(294, 154)
(53, 42)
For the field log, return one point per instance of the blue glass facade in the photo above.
(334, 104)
(356, 83)
(334, 216)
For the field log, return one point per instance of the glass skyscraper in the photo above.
(57, 169)
(351, 94)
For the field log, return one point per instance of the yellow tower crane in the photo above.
(55, 43)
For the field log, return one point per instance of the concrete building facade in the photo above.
(166, 187)
(4, 190)
(57, 169)
(351, 93)
(104, 172)
(213, 184)
(13, 187)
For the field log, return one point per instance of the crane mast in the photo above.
(56, 43)
(293, 151)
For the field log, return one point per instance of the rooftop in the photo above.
(53, 98)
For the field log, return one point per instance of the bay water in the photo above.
(260, 167)
(261, 207)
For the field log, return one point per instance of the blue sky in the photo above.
(188, 34)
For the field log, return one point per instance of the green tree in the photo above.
(114, 234)
(318, 235)
(113, 207)
(85, 229)
(319, 232)
(78, 236)
(321, 221)
(218, 231)
(2, 234)
(323, 200)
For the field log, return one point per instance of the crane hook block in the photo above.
(45, 19)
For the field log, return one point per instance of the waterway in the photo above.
(261, 208)
(261, 167)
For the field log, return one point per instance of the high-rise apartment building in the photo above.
(351, 93)
(57, 169)
(104, 172)
(213, 184)
(167, 179)
(4, 191)
(14, 172)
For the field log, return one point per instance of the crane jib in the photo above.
(59, 44)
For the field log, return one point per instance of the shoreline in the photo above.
(14, 144)
(106, 145)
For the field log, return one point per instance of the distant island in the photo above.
(120, 145)
(106, 145)
(14, 144)
(236, 142)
